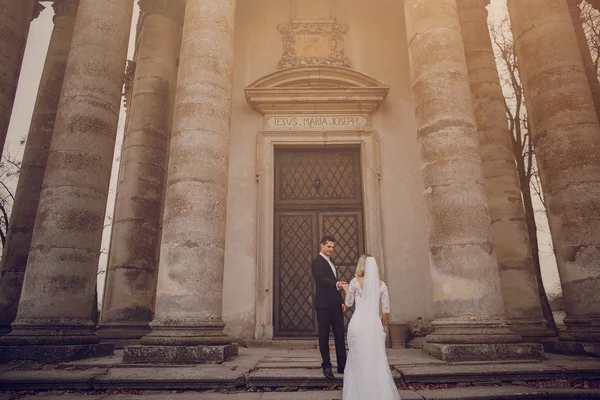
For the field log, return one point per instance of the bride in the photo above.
(367, 374)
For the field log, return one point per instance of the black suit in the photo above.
(328, 304)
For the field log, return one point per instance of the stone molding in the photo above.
(464, 5)
(314, 92)
(169, 8)
(368, 141)
(316, 89)
(65, 7)
(329, 33)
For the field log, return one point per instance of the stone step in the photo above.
(472, 393)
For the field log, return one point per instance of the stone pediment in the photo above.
(316, 89)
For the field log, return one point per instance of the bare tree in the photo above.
(590, 18)
(9, 170)
(516, 111)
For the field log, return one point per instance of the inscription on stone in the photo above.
(307, 46)
(316, 122)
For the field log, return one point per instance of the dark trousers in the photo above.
(334, 318)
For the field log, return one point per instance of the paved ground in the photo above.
(283, 374)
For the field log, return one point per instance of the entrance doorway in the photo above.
(318, 191)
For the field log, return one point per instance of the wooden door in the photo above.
(317, 192)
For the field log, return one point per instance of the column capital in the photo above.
(37, 10)
(464, 5)
(169, 8)
(65, 7)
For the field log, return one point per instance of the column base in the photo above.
(122, 335)
(531, 331)
(586, 330)
(55, 354)
(478, 339)
(471, 331)
(484, 351)
(201, 354)
(186, 333)
(50, 333)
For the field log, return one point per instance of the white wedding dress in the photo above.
(367, 375)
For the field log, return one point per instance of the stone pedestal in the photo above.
(55, 354)
(27, 195)
(572, 348)
(122, 334)
(129, 293)
(566, 137)
(466, 284)
(57, 305)
(518, 277)
(484, 351)
(180, 354)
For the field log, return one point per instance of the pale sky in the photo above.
(33, 63)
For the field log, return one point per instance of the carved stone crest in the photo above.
(319, 42)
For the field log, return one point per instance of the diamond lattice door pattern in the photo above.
(317, 192)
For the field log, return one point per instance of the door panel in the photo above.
(317, 192)
(294, 289)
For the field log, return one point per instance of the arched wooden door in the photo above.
(317, 192)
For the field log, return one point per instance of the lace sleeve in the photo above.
(384, 299)
(351, 293)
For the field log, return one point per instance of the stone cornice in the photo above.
(65, 7)
(464, 5)
(169, 8)
(316, 89)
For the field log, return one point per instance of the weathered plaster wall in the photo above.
(376, 45)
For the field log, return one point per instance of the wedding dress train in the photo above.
(367, 375)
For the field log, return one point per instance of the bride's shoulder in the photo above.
(354, 281)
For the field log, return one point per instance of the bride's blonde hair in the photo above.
(360, 267)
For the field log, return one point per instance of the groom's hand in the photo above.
(344, 308)
(339, 285)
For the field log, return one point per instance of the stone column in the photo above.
(22, 218)
(15, 18)
(128, 304)
(566, 137)
(57, 301)
(590, 69)
(469, 316)
(518, 277)
(190, 278)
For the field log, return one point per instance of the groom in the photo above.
(329, 306)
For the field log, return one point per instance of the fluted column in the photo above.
(590, 69)
(469, 311)
(128, 304)
(22, 218)
(57, 301)
(15, 18)
(509, 228)
(566, 137)
(190, 277)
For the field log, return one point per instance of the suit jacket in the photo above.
(326, 294)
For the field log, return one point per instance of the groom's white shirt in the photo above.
(330, 264)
